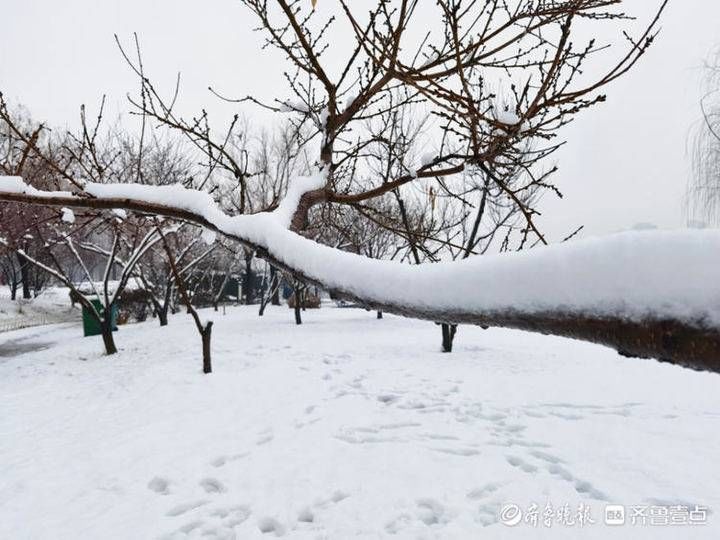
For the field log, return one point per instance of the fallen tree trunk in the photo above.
(652, 312)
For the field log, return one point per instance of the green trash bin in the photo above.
(91, 327)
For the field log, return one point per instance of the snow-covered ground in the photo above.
(52, 301)
(51, 306)
(346, 427)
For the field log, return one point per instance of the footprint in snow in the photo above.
(264, 439)
(212, 485)
(488, 514)
(544, 456)
(233, 515)
(484, 491)
(465, 452)
(189, 527)
(396, 525)
(431, 512)
(337, 496)
(518, 462)
(222, 460)
(185, 507)
(440, 437)
(306, 515)
(269, 525)
(159, 485)
(581, 486)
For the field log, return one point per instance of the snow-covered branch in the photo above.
(647, 294)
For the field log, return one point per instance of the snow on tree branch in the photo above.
(648, 294)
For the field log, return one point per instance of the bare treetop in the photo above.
(498, 79)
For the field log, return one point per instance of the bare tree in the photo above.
(704, 188)
(18, 221)
(155, 272)
(271, 291)
(204, 328)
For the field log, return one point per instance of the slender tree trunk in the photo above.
(163, 309)
(205, 330)
(264, 301)
(24, 275)
(37, 283)
(107, 336)
(162, 314)
(298, 289)
(379, 315)
(275, 300)
(221, 290)
(448, 335)
(272, 293)
(206, 334)
(298, 304)
(13, 290)
(265, 296)
(248, 279)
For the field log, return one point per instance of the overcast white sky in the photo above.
(626, 161)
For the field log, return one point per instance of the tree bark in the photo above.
(163, 316)
(24, 275)
(107, 336)
(206, 334)
(248, 279)
(275, 300)
(448, 335)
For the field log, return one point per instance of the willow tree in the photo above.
(704, 189)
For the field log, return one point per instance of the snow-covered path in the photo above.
(36, 338)
(345, 427)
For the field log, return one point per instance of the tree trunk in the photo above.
(163, 316)
(166, 305)
(206, 334)
(298, 309)
(107, 336)
(13, 290)
(298, 290)
(275, 301)
(24, 275)
(448, 335)
(37, 283)
(379, 315)
(248, 279)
